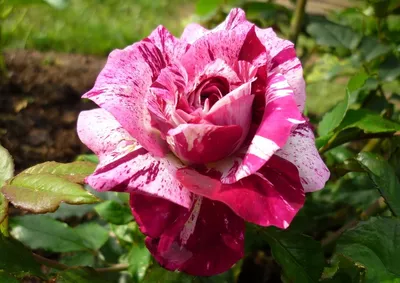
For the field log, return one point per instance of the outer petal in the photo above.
(203, 143)
(193, 32)
(234, 19)
(272, 196)
(301, 151)
(140, 171)
(155, 215)
(282, 53)
(280, 116)
(123, 86)
(171, 47)
(283, 60)
(203, 241)
(99, 130)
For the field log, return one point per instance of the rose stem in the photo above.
(297, 20)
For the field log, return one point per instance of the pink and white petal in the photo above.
(224, 45)
(301, 151)
(235, 108)
(162, 105)
(171, 47)
(203, 143)
(283, 60)
(204, 241)
(253, 51)
(271, 196)
(234, 20)
(218, 69)
(245, 71)
(280, 116)
(122, 88)
(99, 130)
(193, 32)
(140, 171)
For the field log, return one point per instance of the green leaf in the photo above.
(158, 274)
(112, 250)
(66, 211)
(4, 227)
(93, 235)
(79, 259)
(114, 212)
(368, 122)
(15, 259)
(139, 260)
(43, 193)
(345, 270)
(5, 277)
(6, 166)
(75, 172)
(300, 256)
(80, 275)
(333, 35)
(357, 124)
(355, 189)
(389, 70)
(319, 96)
(127, 234)
(356, 82)
(207, 7)
(384, 178)
(332, 119)
(3, 215)
(370, 48)
(43, 232)
(88, 157)
(374, 244)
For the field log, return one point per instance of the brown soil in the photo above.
(40, 102)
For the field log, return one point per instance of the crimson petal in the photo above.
(272, 196)
(203, 143)
(203, 241)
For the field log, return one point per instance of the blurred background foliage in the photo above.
(350, 52)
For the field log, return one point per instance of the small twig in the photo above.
(297, 20)
(113, 268)
(373, 209)
(330, 144)
(49, 262)
(60, 266)
(371, 145)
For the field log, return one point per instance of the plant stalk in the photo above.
(60, 266)
(297, 20)
(330, 144)
(50, 263)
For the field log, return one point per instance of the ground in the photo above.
(40, 102)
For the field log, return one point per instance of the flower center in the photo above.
(209, 92)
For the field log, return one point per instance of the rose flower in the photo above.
(205, 132)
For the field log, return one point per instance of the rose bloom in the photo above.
(205, 132)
